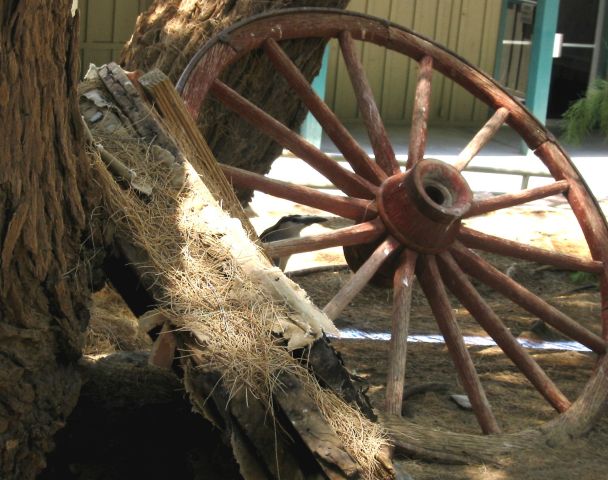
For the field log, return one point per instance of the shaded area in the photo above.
(120, 430)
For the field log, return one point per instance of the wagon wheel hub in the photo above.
(422, 208)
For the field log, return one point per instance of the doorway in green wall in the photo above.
(575, 65)
(577, 51)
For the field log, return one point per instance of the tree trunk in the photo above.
(169, 34)
(43, 220)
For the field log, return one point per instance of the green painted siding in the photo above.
(105, 26)
(469, 27)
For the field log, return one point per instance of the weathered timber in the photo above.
(434, 289)
(421, 112)
(247, 422)
(383, 149)
(403, 285)
(481, 138)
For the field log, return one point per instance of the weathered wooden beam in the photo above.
(251, 424)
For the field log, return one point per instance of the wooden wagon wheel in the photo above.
(410, 224)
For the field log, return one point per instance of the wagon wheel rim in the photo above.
(436, 194)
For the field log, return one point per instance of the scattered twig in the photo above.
(310, 271)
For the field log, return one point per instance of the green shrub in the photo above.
(587, 114)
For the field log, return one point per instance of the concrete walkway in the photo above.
(503, 152)
(547, 223)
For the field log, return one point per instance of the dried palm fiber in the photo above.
(112, 326)
(207, 278)
(169, 33)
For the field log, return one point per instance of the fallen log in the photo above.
(233, 317)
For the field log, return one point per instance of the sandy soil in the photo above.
(431, 378)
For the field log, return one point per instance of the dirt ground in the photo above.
(430, 378)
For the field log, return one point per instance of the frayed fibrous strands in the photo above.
(363, 438)
(112, 326)
(206, 292)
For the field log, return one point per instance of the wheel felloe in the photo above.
(409, 224)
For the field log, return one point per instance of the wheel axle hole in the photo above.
(439, 194)
(435, 194)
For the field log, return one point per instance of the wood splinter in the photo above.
(152, 319)
(162, 354)
(165, 343)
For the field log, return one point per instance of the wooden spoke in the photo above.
(354, 208)
(420, 116)
(383, 150)
(468, 296)
(587, 211)
(350, 183)
(518, 198)
(481, 138)
(355, 235)
(604, 304)
(489, 243)
(402, 298)
(352, 151)
(385, 250)
(434, 289)
(370, 196)
(477, 267)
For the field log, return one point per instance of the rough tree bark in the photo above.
(44, 180)
(170, 32)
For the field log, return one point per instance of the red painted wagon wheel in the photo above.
(413, 218)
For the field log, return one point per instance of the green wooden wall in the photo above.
(105, 26)
(468, 27)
